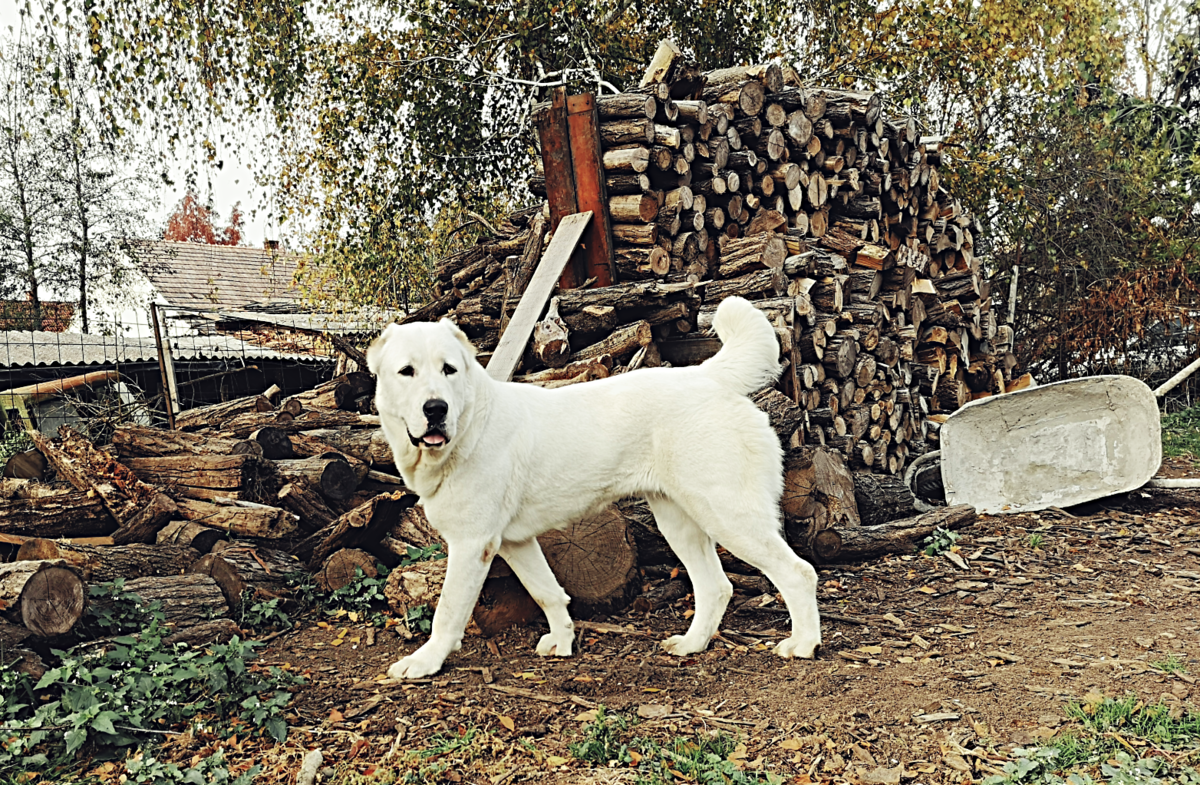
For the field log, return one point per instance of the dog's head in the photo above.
(424, 377)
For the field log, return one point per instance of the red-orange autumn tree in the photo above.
(194, 222)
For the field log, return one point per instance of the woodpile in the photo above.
(818, 205)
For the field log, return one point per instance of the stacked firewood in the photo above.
(817, 204)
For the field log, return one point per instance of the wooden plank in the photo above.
(595, 257)
(503, 362)
(556, 158)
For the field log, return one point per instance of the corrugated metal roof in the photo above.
(339, 323)
(198, 275)
(24, 349)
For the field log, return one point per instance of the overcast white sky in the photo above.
(231, 184)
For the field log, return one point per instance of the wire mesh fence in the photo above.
(132, 369)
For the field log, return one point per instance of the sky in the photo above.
(231, 184)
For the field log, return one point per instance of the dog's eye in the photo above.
(407, 371)
(449, 369)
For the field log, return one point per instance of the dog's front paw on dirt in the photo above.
(680, 645)
(413, 667)
(552, 645)
(802, 647)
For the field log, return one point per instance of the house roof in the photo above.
(225, 277)
(29, 349)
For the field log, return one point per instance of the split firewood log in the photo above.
(248, 572)
(101, 564)
(818, 501)
(47, 596)
(882, 497)
(784, 414)
(551, 339)
(419, 584)
(904, 535)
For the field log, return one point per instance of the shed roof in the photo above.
(229, 277)
(30, 349)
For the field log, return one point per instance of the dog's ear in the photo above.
(375, 350)
(461, 336)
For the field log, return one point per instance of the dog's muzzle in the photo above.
(435, 411)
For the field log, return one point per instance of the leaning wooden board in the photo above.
(512, 344)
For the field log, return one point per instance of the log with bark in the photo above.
(362, 527)
(213, 415)
(47, 597)
(100, 564)
(75, 514)
(904, 535)
(595, 561)
(208, 477)
(246, 573)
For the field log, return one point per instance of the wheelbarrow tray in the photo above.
(1065, 443)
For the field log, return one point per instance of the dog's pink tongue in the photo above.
(434, 438)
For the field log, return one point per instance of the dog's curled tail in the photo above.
(749, 355)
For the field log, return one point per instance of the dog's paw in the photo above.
(552, 645)
(680, 645)
(802, 646)
(413, 667)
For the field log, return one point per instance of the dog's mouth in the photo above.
(434, 437)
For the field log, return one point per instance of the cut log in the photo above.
(362, 527)
(763, 250)
(217, 413)
(274, 442)
(88, 469)
(342, 568)
(245, 477)
(882, 498)
(27, 465)
(146, 523)
(243, 425)
(186, 601)
(136, 441)
(190, 535)
(595, 561)
(205, 633)
(103, 564)
(245, 573)
(818, 495)
(47, 597)
(341, 392)
(411, 587)
(330, 476)
(904, 535)
(624, 340)
(77, 514)
(241, 521)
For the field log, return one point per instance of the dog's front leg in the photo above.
(466, 568)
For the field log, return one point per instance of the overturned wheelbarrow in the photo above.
(1066, 443)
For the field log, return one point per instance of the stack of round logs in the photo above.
(815, 203)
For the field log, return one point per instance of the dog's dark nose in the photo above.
(435, 409)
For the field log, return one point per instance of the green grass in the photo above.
(1116, 741)
(1171, 664)
(1181, 433)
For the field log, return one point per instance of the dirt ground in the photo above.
(938, 665)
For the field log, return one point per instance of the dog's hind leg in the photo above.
(699, 555)
(529, 563)
(762, 545)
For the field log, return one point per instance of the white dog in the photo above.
(498, 463)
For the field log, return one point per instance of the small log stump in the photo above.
(595, 561)
(46, 596)
(341, 568)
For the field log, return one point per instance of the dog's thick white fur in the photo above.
(498, 463)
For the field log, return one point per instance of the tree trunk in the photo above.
(103, 564)
(818, 496)
(136, 441)
(46, 596)
(190, 535)
(299, 498)
(187, 600)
